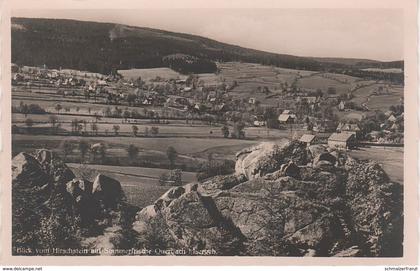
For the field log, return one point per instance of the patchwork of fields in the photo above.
(194, 141)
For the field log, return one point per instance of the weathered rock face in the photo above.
(283, 200)
(265, 158)
(185, 218)
(53, 166)
(375, 206)
(26, 169)
(51, 207)
(107, 191)
(35, 195)
(291, 206)
(325, 156)
(85, 205)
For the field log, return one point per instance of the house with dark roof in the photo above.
(351, 128)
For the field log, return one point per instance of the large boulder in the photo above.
(315, 150)
(52, 207)
(278, 204)
(219, 183)
(54, 166)
(85, 205)
(185, 218)
(36, 195)
(27, 170)
(325, 156)
(107, 191)
(267, 157)
(77, 187)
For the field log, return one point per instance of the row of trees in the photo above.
(26, 109)
(98, 150)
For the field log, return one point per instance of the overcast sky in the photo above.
(353, 33)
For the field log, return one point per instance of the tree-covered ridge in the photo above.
(104, 47)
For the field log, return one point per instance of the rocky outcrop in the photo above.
(27, 170)
(53, 208)
(283, 200)
(264, 158)
(53, 166)
(107, 191)
(375, 206)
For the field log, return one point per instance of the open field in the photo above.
(148, 74)
(140, 185)
(152, 151)
(184, 145)
(383, 102)
(194, 141)
(67, 118)
(391, 70)
(319, 82)
(82, 107)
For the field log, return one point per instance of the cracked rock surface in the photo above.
(283, 200)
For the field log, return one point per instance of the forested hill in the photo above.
(105, 47)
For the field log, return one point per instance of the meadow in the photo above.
(140, 185)
(150, 74)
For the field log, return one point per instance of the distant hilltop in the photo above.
(107, 47)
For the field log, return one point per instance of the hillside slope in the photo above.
(105, 47)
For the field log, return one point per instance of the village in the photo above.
(307, 111)
(221, 112)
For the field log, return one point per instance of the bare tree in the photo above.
(29, 123)
(58, 107)
(94, 128)
(135, 129)
(83, 148)
(132, 152)
(116, 128)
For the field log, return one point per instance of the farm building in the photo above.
(395, 127)
(312, 99)
(388, 113)
(392, 118)
(341, 106)
(285, 118)
(252, 100)
(259, 123)
(324, 126)
(348, 127)
(342, 140)
(101, 83)
(186, 89)
(308, 139)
